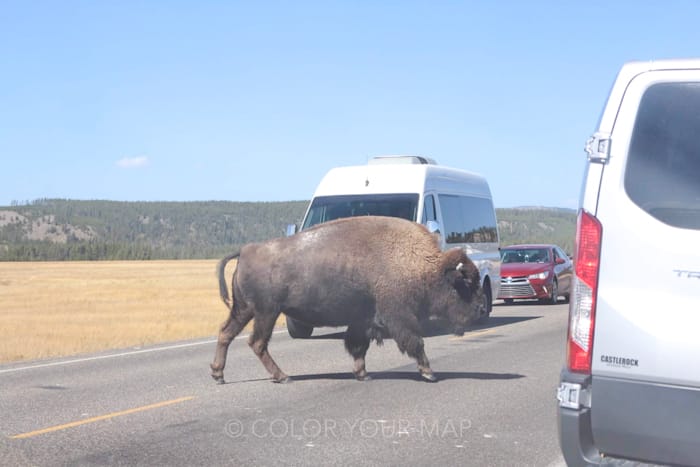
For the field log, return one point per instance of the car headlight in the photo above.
(539, 275)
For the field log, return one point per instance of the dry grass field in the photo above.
(50, 309)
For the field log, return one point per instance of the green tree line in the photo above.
(538, 225)
(58, 229)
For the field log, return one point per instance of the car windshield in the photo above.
(328, 208)
(525, 255)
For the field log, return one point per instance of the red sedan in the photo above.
(541, 272)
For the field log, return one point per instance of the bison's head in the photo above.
(462, 302)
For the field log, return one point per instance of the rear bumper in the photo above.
(630, 420)
(574, 427)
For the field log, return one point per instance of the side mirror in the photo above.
(560, 261)
(291, 230)
(433, 227)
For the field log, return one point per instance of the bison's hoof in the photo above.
(219, 379)
(364, 377)
(429, 377)
(284, 380)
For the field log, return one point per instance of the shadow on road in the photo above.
(527, 302)
(411, 375)
(438, 327)
(395, 375)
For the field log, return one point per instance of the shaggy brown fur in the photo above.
(377, 275)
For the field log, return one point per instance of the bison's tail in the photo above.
(223, 289)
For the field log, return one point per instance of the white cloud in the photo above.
(132, 162)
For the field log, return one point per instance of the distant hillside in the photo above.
(56, 229)
(537, 225)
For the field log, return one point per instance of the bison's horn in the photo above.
(459, 266)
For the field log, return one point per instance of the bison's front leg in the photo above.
(406, 331)
(262, 331)
(416, 350)
(236, 321)
(357, 342)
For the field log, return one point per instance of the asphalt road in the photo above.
(493, 406)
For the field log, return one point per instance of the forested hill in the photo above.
(537, 225)
(68, 229)
(54, 229)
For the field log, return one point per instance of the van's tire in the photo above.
(484, 318)
(297, 329)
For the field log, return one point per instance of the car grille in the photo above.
(513, 287)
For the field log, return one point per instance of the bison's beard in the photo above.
(458, 323)
(462, 317)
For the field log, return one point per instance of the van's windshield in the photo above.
(328, 208)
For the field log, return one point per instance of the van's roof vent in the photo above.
(401, 160)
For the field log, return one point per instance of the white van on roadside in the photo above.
(454, 203)
(629, 392)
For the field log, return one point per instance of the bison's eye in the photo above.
(460, 283)
(464, 292)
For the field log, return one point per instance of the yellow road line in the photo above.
(101, 417)
(470, 335)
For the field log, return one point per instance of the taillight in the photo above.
(585, 289)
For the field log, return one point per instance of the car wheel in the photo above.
(297, 329)
(483, 319)
(555, 293)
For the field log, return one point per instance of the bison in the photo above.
(379, 276)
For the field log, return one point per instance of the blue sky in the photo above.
(255, 101)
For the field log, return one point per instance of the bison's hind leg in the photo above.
(357, 341)
(236, 321)
(262, 331)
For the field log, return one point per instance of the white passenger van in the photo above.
(452, 202)
(629, 392)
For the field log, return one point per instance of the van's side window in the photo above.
(428, 209)
(663, 167)
(468, 219)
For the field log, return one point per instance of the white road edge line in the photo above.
(121, 354)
